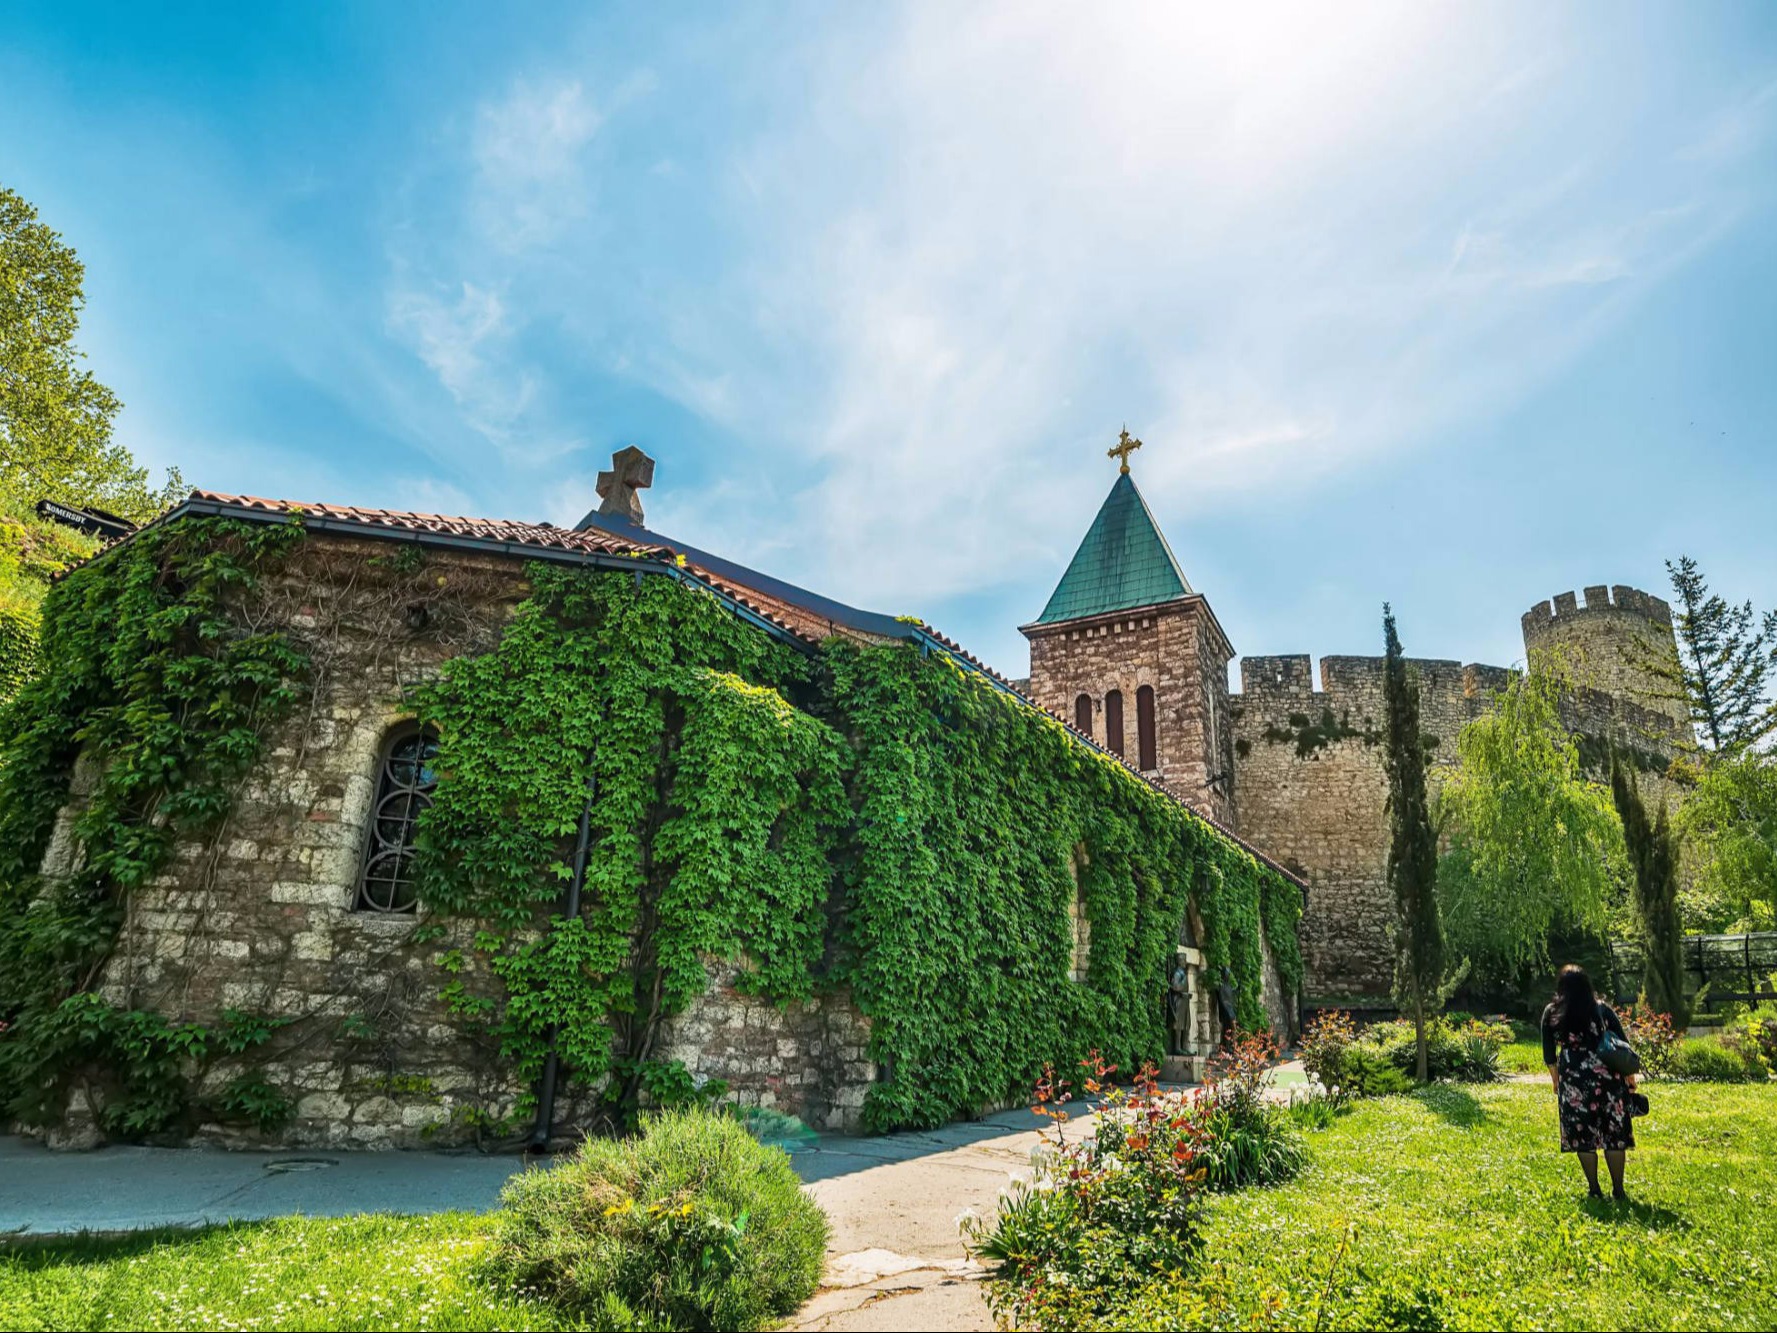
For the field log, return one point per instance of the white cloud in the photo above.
(968, 243)
(529, 153)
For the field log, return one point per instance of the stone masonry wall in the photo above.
(1174, 649)
(260, 918)
(1313, 792)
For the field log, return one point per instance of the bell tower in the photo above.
(1133, 657)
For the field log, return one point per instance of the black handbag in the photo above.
(1635, 1104)
(1618, 1055)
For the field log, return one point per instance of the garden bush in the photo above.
(1325, 1040)
(693, 1224)
(1711, 1060)
(1368, 1072)
(1126, 1199)
(1245, 1139)
(1652, 1035)
(1758, 1027)
(1458, 1047)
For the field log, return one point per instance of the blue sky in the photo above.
(1458, 305)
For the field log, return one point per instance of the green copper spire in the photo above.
(1123, 562)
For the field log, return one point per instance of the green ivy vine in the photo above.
(713, 806)
(877, 819)
(148, 667)
(870, 817)
(978, 819)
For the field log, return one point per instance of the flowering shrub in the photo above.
(692, 1224)
(1653, 1037)
(1123, 1199)
(1325, 1040)
(1246, 1139)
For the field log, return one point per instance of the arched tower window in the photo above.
(404, 785)
(1113, 722)
(1144, 729)
(1083, 714)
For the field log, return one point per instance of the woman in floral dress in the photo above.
(1593, 1099)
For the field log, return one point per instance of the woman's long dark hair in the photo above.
(1576, 1003)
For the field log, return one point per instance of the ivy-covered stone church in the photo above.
(333, 826)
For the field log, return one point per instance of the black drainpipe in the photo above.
(539, 1136)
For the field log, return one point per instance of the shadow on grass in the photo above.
(1635, 1213)
(67, 1249)
(1453, 1105)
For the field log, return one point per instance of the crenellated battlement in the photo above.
(1619, 643)
(1620, 600)
(1289, 679)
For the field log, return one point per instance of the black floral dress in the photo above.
(1594, 1100)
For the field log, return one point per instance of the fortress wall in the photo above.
(1313, 793)
(1311, 786)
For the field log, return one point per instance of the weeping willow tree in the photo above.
(1536, 849)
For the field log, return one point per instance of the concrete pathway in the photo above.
(123, 1189)
(896, 1259)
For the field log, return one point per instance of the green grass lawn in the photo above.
(299, 1273)
(1453, 1208)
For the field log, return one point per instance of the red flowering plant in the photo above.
(1247, 1138)
(1122, 1197)
(1652, 1035)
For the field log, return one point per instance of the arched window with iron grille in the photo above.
(1144, 729)
(1113, 722)
(405, 781)
(1083, 714)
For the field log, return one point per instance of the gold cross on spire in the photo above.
(1126, 445)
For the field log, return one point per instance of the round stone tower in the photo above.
(1619, 642)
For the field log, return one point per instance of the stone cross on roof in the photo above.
(631, 471)
(1126, 445)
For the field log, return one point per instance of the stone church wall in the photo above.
(259, 918)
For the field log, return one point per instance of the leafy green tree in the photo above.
(1653, 854)
(1535, 848)
(1729, 825)
(55, 417)
(1726, 659)
(1412, 851)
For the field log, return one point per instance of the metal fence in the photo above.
(1723, 968)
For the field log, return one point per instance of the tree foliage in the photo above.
(1653, 856)
(1729, 825)
(1535, 848)
(1726, 659)
(1412, 848)
(55, 416)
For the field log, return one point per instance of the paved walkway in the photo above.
(896, 1259)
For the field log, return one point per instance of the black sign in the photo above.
(93, 522)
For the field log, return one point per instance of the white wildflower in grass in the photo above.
(965, 1220)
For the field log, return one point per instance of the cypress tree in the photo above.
(1653, 854)
(1412, 850)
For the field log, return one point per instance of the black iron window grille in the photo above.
(404, 787)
